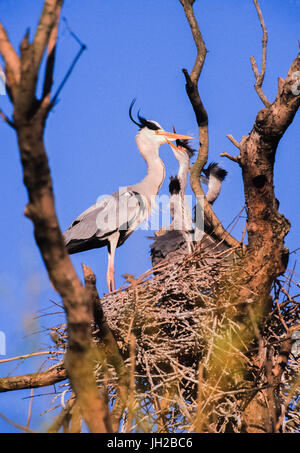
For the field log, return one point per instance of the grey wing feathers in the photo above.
(165, 245)
(85, 225)
(121, 211)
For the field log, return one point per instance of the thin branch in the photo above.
(7, 120)
(47, 24)
(202, 121)
(51, 376)
(48, 76)
(283, 356)
(200, 44)
(62, 84)
(30, 408)
(48, 79)
(235, 159)
(193, 94)
(17, 425)
(260, 76)
(109, 346)
(234, 141)
(131, 398)
(76, 420)
(12, 62)
(33, 354)
(194, 97)
(58, 422)
(29, 118)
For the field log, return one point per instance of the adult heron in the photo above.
(113, 218)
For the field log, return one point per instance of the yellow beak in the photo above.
(173, 136)
(175, 148)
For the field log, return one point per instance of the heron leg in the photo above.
(110, 276)
(189, 241)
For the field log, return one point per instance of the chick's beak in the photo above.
(175, 148)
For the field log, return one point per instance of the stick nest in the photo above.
(173, 336)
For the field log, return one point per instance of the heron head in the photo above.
(182, 151)
(153, 130)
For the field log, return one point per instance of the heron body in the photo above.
(214, 177)
(179, 240)
(113, 218)
(95, 227)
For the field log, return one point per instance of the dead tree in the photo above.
(29, 119)
(196, 336)
(266, 256)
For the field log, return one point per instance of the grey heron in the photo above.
(179, 235)
(179, 239)
(110, 221)
(214, 177)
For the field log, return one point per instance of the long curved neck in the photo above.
(182, 176)
(150, 185)
(179, 206)
(214, 189)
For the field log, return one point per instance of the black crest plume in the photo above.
(185, 144)
(142, 121)
(214, 169)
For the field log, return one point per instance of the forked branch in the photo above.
(260, 76)
(202, 121)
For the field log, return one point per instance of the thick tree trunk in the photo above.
(30, 115)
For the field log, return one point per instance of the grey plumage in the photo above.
(178, 237)
(113, 219)
(214, 176)
(174, 241)
(119, 212)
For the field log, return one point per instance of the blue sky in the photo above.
(134, 49)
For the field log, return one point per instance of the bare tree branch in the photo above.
(7, 120)
(201, 49)
(51, 376)
(46, 32)
(233, 158)
(12, 62)
(17, 425)
(266, 256)
(110, 348)
(260, 76)
(30, 409)
(58, 422)
(33, 354)
(29, 118)
(48, 79)
(202, 121)
(234, 141)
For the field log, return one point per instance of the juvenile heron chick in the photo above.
(179, 235)
(214, 177)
